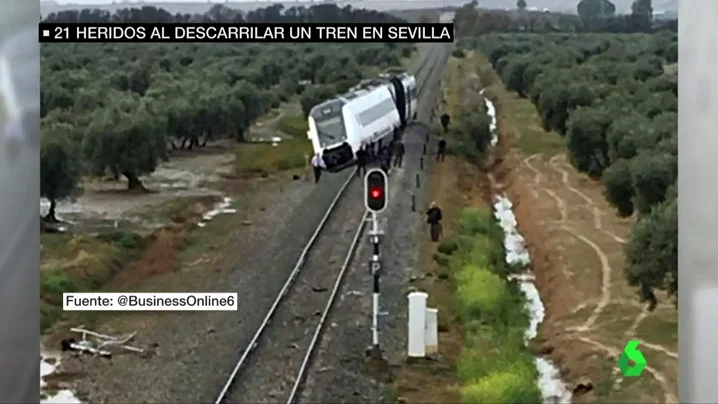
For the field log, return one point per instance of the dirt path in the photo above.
(585, 219)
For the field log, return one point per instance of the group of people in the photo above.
(391, 155)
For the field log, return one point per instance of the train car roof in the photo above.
(326, 107)
(363, 88)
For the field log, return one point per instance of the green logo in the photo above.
(630, 353)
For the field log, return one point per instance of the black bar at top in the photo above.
(203, 32)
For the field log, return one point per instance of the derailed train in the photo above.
(369, 113)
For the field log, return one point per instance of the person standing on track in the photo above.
(398, 153)
(308, 170)
(361, 157)
(433, 218)
(385, 160)
(318, 165)
(442, 150)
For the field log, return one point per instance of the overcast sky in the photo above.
(161, 1)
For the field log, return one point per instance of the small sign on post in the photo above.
(375, 267)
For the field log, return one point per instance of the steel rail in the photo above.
(283, 292)
(330, 303)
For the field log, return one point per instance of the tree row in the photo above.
(590, 16)
(614, 99)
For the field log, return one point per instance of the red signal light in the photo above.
(375, 195)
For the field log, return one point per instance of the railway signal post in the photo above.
(375, 198)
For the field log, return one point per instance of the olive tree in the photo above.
(60, 164)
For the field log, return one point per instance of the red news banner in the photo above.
(439, 32)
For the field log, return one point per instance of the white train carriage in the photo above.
(341, 126)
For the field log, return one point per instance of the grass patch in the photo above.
(495, 365)
(658, 330)
(80, 264)
(462, 150)
(530, 136)
(260, 158)
(296, 126)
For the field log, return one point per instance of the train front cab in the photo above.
(328, 121)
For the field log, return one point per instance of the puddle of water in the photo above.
(553, 389)
(274, 140)
(219, 208)
(177, 178)
(59, 397)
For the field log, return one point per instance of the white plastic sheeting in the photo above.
(59, 397)
(219, 209)
(553, 389)
(491, 111)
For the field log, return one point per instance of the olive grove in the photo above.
(121, 109)
(614, 100)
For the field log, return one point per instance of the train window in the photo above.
(376, 112)
(330, 130)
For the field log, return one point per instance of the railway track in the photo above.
(437, 56)
(280, 352)
(287, 336)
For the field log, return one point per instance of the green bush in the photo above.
(441, 259)
(447, 247)
(502, 387)
(296, 126)
(481, 294)
(488, 252)
(495, 365)
(465, 150)
(506, 353)
(477, 221)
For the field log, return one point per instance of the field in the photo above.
(580, 242)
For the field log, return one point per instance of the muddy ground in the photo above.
(250, 252)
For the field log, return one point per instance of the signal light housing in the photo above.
(375, 190)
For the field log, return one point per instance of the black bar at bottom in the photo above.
(352, 32)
